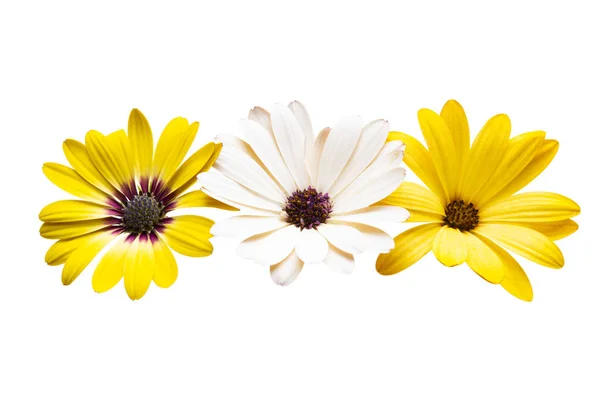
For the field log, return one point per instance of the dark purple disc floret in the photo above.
(308, 208)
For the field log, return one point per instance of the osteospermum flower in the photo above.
(306, 200)
(470, 209)
(128, 194)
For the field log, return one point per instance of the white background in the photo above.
(224, 330)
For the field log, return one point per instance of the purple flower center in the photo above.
(142, 213)
(308, 208)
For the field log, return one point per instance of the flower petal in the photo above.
(555, 230)
(141, 142)
(530, 207)
(84, 254)
(198, 198)
(515, 280)
(71, 182)
(524, 241)
(483, 260)
(314, 156)
(311, 247)
(189, 234)
(111, 267)
(339, 261)
(165, 266)
(191, 167)
(344, 237)
(375, 239)
(78, 156)
(291, 142)
(73, 210)
(304, 120)
(173, 144)
(456, 120)
(337, 150)
(270, 248)
(485, 156)
(371, 141)
(415, 197)
(286, 271)
(241, 168)
(442, 149)
(521, 150)
(419, 161)
(244, 226)
(542, 159)
(139, 268)
(67, 230)
(411, 246)
(450, 246)
(373, 215)
(60, 251)
(263, 143)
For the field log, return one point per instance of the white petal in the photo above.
(371, 141)
(314, 157)
(223, 187)
(262, 117)
(337, 150)
(339, 260)
(364, 194)
(343, 237)
(374, 215)
(376, 240)
(244, 226)
(291, 142)
(246, 209)
(264, 145)
(303, 118)
(286, 271)
(271, 247)
(311, 247)
(238, 166)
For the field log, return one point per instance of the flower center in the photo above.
(142, 213)
(461, 216)
(308, 208)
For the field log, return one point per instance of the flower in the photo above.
(306, 200)
(471, 208)
(128, 193)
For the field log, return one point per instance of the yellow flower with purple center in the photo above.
(128, 191)
(469, 209)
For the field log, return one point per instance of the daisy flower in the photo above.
(469, 208)
(128, 192)
(305, 199)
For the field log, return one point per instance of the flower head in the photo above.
(305, 199)
(470, 208)
(128, 191)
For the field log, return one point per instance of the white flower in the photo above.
(305, 199)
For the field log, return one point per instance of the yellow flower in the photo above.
(471, 208)
(128, 193)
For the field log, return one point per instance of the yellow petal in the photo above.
(411, 246)
(110, 268)
(485, 156)
(191, 167)
(530, 207)
(545, 153)
(525, 242)
(139, 267)
(112, 156)
(60, 251)
(71, 182)
(515, 280)
(450, 246)
(555, 230)
(189, 234)
(442, 149)
(420, 216)
(198, 198)
(521, 150)
(73, 210)
(67, 230)
(419, 161)
(483, 260)
(215, 155)
(141, 142)
(84, 254)
(78, 156)
(456, 120)
(165, 270)
(173, 145)
(414, 197)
